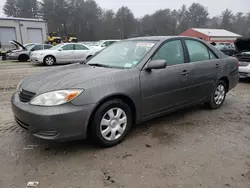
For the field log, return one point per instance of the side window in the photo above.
(68, 47)
(197, 51)
(47, 46)
(172, 52)
(37, 47)
(111, 42)
(80, 47)
(211, 54)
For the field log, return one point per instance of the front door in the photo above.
(206, 68)
(168, 88)
(66, 54)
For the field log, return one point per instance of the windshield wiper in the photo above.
(99, 65)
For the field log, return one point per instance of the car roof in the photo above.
(160, 38)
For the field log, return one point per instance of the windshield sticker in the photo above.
(146, 44)
(127, 65)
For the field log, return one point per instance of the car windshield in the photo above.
(124, 54)
(56, 47)
(99, 43)
(245, 53)
(28, 47)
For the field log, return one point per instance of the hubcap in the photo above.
(49, 61)
(219, 94)
(113, 124)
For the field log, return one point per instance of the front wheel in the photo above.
(111, 123)
(218, 96)
(49, 60)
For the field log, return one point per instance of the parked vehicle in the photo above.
(88, 43)
(53, 38)
(63, 53)
(23, 53)
(226, 49)
(100, 45)
(243, 55)
(127, 83)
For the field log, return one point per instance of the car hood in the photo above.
(65, 77)
(242, 44)
(18, 44)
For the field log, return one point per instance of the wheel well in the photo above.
(49, 56)
(23, 55)
(225, 79)
(124, 98)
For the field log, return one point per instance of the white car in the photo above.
(100, 45)
(63, 53)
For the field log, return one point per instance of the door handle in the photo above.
(217, 66)
(185, 72)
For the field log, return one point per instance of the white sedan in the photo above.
(63, 53)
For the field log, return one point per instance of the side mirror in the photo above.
(157, 64)
(103, 45)
(59, 49)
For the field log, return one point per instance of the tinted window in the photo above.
(197, 51)
(80, 47)
(111, 42)
(47, 46)
(68, 47)
(37, 47)
(172, 52)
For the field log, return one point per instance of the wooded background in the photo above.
(88, 21)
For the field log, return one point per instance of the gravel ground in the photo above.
(191, 148)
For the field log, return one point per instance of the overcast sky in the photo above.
(142, 7)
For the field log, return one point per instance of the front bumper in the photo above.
(244, 72)
(64, 122)
(36, 59)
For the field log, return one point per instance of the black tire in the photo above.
(212, 103)
(49, 60)
(23, 58)
(95, 126)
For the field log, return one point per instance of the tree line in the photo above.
(88, 21)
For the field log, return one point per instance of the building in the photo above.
(22, 30)
(211, 35)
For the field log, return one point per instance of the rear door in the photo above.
(206, 68)
(81, 52)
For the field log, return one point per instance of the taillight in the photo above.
(238, 63)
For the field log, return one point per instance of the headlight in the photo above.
(56, 98)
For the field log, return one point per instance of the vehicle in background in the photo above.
(100, 45)
(243, 55)
(53, 38)
(23, 53)
(88, 43)
(127, 83)
(63, 53)
(226, 49)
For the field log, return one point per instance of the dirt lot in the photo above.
(191, 148)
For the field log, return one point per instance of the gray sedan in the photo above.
(129, 82)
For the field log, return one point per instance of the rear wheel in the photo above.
(111, 123)
(23, 58)
(49, 60)
(218, 96)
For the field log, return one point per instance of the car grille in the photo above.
(244, 59)
(26, 96)
(23, 125)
